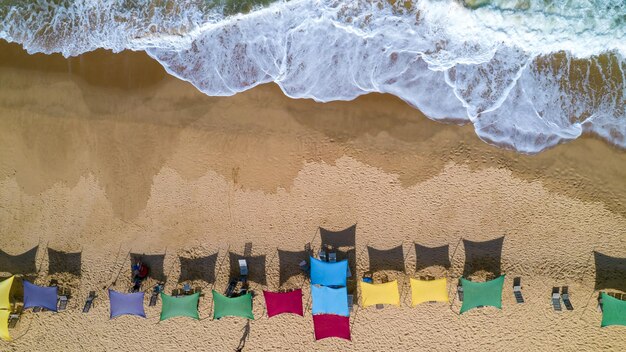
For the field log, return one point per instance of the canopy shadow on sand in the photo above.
(201, 268)
(610, 272)
(64, 262)
(483, 256)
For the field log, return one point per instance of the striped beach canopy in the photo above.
(283, 302)
(385, 293)
(429, 291)
(327, 273)
(40, 296)
(330, 325)
(613, 310)
(327, 300)
(182, 306)
(478, 294)
(126, 304)
(4, 325)
(240, 306)
(5, 289)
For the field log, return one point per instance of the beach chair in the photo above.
(187, 289)
(230, 289)
(304, 266)
(64, 294)
(332, 257)
(350, 302)
(600, 302)
(243, 267)
(322, 255)
(556, 299)
(14, 317)
(565, 297)
(155, 294)
(517, 290)
(459, 291)
(89, 301)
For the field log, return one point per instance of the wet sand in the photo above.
(106, 154)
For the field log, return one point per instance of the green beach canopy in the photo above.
(613, 311)
(477, 294)
(232, 306)
(183, 306)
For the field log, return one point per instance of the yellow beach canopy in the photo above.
(386, 293)
(429, 291)
(5, 288)
(4, 325)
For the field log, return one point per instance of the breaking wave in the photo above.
(528, 74)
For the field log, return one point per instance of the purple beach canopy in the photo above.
(40, 296)
(126, 304)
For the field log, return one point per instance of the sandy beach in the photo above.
(105, 154)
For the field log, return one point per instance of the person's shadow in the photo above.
(244, 337)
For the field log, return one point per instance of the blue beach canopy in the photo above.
(328, 274)
(328, 300)
(40, 296)
(126, 303)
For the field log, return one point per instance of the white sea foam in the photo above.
(479, 61)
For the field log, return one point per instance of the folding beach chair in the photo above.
(556, 299)
(158, 288)
(350, 302)
(243, 267)
(89, 301)
(322, 255)
(64, 296)
(517, 290)
(459, 291)
(230, 289)
(14, 317)
(565, 297)
(332, 257)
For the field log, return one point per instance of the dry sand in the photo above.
(106, 154)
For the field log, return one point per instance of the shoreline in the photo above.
(119, 156)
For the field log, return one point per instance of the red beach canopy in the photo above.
(283, 302)
(330, 325)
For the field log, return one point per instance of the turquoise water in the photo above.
(528, 74)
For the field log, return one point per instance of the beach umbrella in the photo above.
(182, 306)
(126, 304)
(476, 294)
(613, 310)
(330, 325)
(429, 291)
(240, 306)
(283, 302)
(384, 293)
(5, 289)
(40, 296)
(327, 300)
(328, 273)
(4, 325)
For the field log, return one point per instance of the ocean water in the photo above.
(528, 74)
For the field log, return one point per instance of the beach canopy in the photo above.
(283, 302)
(476, 294)
(330, 325)
(126, 304)
(327, 300)
(240, 306)
(385, 293)
(181, 306)
(4, 325)
(327, 273)
(429, 291)
(5, 289)
(40, 296)
(613, 310)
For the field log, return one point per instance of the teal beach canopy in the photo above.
(240, 306)
(477, 294)
(328, 274)
(183, 306)
(613, 311)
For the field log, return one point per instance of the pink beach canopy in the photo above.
(283, 302)
(330, 325)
